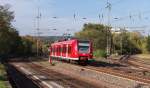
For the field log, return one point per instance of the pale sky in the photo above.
(132, 13)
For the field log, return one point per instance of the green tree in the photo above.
(29, 46)
(148, 44)
(11, 44)
(6, 16)
(9, 37)
(126, 42)
(96, 33)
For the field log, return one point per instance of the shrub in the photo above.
(100, 53)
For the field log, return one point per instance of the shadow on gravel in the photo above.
(104, 64)
(125, 58)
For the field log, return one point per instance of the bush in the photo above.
(100, 53)
(148, 44)
(2, 76)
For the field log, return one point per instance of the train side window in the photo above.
(56, 49)
(52, 49)
(64, 49)
(69, 49)
(61, 49)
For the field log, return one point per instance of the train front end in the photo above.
(84, 51)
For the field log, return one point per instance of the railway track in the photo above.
(118, 74)
(134, 62)
(73, 83)
(61, 79)
(145, 80)
(126, 61)
(139, 64)
(121, 74)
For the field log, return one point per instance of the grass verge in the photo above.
(3, 78)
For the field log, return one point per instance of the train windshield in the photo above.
(83, 46)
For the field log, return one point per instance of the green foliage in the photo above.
(100, 53)
(11, 44)
(124, 42)
(29, 46)
(6, 16)
(9, 37)
(96, 33)
(2, 76)
(127, 42)
(26, 46)
(148, 44)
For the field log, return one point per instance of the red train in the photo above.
(74, 49)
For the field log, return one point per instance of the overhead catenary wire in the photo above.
(112, 3)
(139, 15)
(133, 18)
(101, 15)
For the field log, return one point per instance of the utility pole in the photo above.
(132, 21)
(108, 49)
(122, 32)
(38, 29)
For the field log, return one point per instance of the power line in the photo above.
(112, 4)
(101, 16)
(131, 16)
(117, 2)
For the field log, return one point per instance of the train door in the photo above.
(52, 50)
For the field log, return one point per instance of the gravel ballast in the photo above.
(104, 78)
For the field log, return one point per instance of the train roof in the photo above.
(64, 42)
(68, 41)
